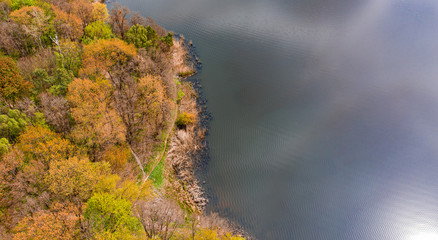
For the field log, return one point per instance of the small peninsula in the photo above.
(99, 130)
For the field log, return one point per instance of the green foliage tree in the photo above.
(111, 217)
(12, 84)
(12, 124)
(97, 30)
(40, 80)
(142, 37)
(17, 4)
(61, 81)
(168, 39)
(68, 55)
(56, 84)
(4, 146)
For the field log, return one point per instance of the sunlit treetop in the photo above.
(98, 57)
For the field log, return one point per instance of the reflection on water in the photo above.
(325, 113)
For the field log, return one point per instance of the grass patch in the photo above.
(157, 176)
(181, 94)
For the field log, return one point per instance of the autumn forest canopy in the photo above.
(98, 131)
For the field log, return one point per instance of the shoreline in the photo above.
(189, 143)
(201, 157)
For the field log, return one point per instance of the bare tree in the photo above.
(5, 9)
(125, 95)
(43, 59)
(56, 110)
(136, 18)
(141, 104)
(13, 40)
(26, 106)
(119, 19)
(159, 217)
(160, 30)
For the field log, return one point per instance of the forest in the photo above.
(99, 131)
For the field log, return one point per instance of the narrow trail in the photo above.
(160, 157)
(178, 59)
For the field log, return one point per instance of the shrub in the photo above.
(185, 74)
(181, 94)
(185, 119)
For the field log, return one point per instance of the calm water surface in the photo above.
(325, 113)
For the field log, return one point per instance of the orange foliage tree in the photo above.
(32, 21)
(12, 84)
(83, 9)
(152, 100)
(117, 156)
(97, 122)
(61, 222)
(68, 26)
(98, 57)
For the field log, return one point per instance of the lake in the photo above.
(325, 113)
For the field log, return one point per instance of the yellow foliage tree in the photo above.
(99, 12)
(41, 144)
(74, 179)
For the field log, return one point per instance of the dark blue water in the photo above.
(325, 113)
